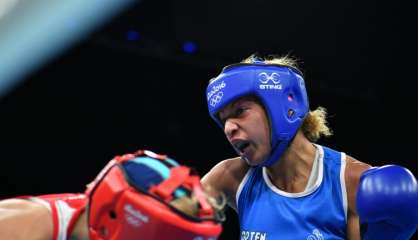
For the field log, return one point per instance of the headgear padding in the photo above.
(130, 199)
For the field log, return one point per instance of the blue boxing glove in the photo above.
(387, 203)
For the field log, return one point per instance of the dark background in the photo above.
(109, 95)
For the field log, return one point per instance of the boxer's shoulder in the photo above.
(24, 219)
(23, 204)
(353, 171)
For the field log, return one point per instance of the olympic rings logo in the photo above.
(216, 98)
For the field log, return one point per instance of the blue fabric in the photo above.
(153, 164)
(146, 171)
(265, 214)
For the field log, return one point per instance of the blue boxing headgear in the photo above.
(281, 90)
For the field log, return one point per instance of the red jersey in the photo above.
(65, 209)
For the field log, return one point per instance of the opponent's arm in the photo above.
(24, 220)
(387, 203)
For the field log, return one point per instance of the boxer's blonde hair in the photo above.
(315, 124)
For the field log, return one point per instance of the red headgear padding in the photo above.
(120, 211)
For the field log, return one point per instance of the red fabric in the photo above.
(76, 202)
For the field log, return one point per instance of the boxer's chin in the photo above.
(250, 161)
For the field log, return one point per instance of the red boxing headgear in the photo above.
(130, 199)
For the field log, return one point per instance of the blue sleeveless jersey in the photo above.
(318, 213)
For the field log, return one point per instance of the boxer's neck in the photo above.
(291, 173)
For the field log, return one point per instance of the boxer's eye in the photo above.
(240, 111)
